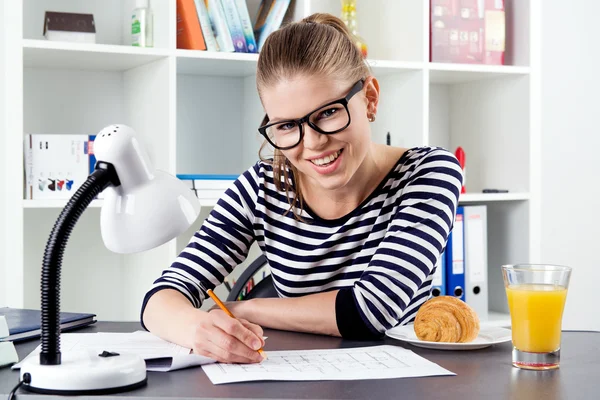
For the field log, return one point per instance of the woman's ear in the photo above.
(371, 88)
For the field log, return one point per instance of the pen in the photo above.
(222, 307)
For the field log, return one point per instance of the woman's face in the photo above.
(328, 161)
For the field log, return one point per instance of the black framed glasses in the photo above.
(328, 119)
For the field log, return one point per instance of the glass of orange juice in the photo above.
(536, 299)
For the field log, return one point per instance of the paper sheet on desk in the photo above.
(377, 362)
(159, 354)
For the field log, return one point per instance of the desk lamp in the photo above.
(143, 208)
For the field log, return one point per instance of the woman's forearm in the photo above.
(171, 316)
(313, 313)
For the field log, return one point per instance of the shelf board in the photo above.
(194, 62)
(461, 73)
(84, 56)
(212, 63)
(466, 198)
(497, 319)
(56, 203)
(386, 67)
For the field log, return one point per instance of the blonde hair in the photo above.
(318, 45)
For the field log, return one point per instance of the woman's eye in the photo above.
(286, 127)
(327, 113)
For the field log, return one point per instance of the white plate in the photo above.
(487, 337)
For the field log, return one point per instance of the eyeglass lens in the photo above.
(328, 119)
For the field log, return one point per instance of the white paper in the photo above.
(8, 354)
(378, 362)
(159, 354)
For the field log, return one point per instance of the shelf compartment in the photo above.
(88, 268)
(97, 57)
(112, 19)
(380, 30)
(490, 120)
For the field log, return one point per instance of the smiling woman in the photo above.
(351, 229)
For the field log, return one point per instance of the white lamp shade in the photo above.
(147, 216)
(149, 207)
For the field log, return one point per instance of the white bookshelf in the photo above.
(197, 112)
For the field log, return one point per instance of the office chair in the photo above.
(262, 289)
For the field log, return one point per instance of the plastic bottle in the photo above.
(142, 25)
(350, 19)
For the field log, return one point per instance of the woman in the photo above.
(351, 229)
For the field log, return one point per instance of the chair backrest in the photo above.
(264, 288)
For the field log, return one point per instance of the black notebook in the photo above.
(27, 324)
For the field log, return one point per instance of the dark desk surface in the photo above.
(485, 373)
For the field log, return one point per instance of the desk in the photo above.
(485, 373)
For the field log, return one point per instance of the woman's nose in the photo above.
(313, 139)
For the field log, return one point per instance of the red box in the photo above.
(467, 31)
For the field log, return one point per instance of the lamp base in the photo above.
(85, 372)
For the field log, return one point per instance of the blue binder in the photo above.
(455, 258)
(438, 284)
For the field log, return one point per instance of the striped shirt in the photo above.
(381, 256)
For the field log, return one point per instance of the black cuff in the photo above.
(145, 302)
(348, 318)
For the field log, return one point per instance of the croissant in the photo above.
(446, 319)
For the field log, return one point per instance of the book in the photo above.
(69, 27)
(189, 33)
(219, 25)
(271, 14)
(247, 26)
(206, 26)
(232, 17)
(22, 324)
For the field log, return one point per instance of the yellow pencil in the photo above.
(222, 307)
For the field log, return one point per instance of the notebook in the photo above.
(23, 324)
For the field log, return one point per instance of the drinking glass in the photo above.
(536, 299)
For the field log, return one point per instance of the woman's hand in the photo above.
(225, 339)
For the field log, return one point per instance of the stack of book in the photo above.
(225, 25)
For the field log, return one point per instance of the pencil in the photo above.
(222, 307)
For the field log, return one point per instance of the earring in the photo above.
(372, 117)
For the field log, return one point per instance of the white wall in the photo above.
(2, 145)
(570, 145)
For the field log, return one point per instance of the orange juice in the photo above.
(536, 316)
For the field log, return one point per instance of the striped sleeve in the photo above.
(221, 243)
(398, 278)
